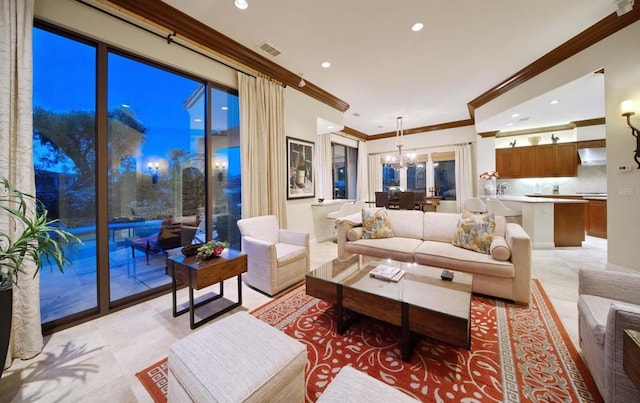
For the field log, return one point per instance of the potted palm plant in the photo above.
(36, 239)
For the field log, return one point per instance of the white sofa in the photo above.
(426, 238)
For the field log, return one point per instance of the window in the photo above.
(345, 171)
(444, 178)
(225, 155)
(417, 174)
(155, 148)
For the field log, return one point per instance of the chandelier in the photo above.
(400, 160)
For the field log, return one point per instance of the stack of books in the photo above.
(388, 273)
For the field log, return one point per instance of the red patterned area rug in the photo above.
(517, 353)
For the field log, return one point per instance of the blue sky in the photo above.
(64, 80)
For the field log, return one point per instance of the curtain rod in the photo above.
(170, 38)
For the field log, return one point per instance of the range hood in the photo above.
(593, 156)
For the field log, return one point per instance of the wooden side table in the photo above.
(631, 355)
(198, 273)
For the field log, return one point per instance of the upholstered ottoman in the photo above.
(352, 386)
(237, 359)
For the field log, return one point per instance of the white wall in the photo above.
(619, 56)
(301, 113)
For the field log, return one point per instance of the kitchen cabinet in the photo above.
(549, 160)
(568, 224)
(515, 162)
(596, 218)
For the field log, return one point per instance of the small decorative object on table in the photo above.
(191, 250)
(489, 182)
(212, 249)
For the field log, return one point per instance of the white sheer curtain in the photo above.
(324, 187)
(464, 184)
(262, 147)
(375, 176)
(362, 192)
(16, 159)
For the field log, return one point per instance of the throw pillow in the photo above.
(354, 234)
(475, 232)
(499, 249)
(375, 224)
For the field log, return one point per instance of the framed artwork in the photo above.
(300, 154)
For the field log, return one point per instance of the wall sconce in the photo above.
(153, 170)
(628, 109)
(220, 167)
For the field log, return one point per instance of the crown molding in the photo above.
(589, 122)
(187, 27)
(597, 32)
(537, 130)
(423, 129)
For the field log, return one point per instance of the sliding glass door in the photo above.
(64, 150)
(122, 159)
(155, 171)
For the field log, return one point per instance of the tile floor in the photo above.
(97, 361)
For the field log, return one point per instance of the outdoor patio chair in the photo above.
(171, 235)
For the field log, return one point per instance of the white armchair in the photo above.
(608, 304)
(276, 258)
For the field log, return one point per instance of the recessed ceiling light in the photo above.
(330, 127)
(241, 4)
(326, 65)
(417, 26)
(509, 124)
(515, 115)
(197, 120)
(224, 108)
(553, 102)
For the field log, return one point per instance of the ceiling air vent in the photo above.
(269, 49)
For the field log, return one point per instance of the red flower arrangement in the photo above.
(489, 175)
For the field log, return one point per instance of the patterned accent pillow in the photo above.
(375, 224)
(475, 232)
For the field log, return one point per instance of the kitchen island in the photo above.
(550, 222)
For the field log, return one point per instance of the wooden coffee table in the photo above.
(198, 273)
(420, 303)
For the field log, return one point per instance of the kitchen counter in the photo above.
(550, 221)
(541, 199)
(569, 195)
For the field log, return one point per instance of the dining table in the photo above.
(429, 203)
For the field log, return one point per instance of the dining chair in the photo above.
(407, 201)
(382, 199)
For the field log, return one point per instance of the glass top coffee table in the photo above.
(420, 303)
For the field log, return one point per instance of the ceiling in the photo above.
(382, 69)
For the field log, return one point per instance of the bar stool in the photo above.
(476, 205)
(496, 207)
